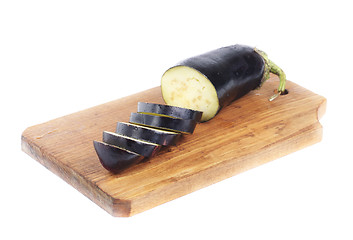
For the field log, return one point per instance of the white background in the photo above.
(59, 57)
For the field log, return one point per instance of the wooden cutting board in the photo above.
(249, 132)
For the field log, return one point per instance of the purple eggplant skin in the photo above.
(173, 111)
(233, 70)
(143, 148)
(186, 126)
(165, 138)
(115, 159)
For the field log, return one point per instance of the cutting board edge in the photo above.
(129, 208)
(115, 207)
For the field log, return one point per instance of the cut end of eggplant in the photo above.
(115, 159)
(186, 87)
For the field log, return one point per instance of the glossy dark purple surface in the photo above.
(134, 145)
(115, 159)
(168, 110)
(234, 70)
(148, 134)
(167, 123)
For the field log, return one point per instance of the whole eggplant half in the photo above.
(213, 80)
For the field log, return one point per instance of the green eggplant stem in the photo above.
(273, 68)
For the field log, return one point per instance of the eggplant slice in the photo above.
(146, 149)
(153, 135)
(185, 126)
(115, 159)
(172, 111)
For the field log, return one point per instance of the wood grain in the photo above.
(245, 134)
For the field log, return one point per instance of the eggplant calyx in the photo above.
(273, 68)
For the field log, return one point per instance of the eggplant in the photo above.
(173, 111)
(185, 126)
(144, 135)
(210, 81)
(148, 134)
(115, 159)
(146, 149)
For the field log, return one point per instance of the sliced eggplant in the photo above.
(115, 159)
(153, 135)
(186, 126)
(214, 79)
(146, 149)
(168, 110)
